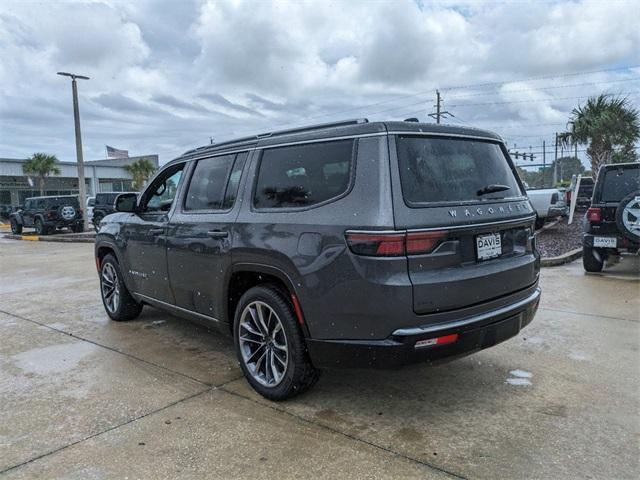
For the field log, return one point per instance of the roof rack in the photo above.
(309, 128)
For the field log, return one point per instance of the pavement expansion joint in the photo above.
(347, 435)
(608, 317)
(112, 349)
(107, 430)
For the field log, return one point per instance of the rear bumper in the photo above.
(621, 242)
(474, 333)
(558, 211)
(64, 223)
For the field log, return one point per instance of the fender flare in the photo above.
(269, 270)
(116, 253)
(17, 218)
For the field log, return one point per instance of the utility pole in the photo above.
(82, 193)
(439, 113)
(555, 163)
(544, 161)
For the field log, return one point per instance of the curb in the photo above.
(561, 259)
(53, 238)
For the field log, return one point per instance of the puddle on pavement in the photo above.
(53, 359)
(519, 377)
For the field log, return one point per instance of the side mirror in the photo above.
(127, 202)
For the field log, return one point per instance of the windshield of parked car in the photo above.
(619, 183)
(434, 170)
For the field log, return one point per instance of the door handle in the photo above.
(156, 231)
(218, 234)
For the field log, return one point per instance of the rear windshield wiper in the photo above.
(492, 189)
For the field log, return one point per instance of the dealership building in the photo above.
(100, 176)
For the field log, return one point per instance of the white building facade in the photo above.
(100, 176)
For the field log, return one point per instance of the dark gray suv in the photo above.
(353, 244)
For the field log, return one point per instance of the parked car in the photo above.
(46, 214)
(548, 203)
(5, 211)
(344, 245)
(585, 191)
(612, 222)
(91, 201)
(103, 206)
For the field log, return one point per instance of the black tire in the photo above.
(41, 228)
(634, 236)
(539, 223)
(16, 228)
(127, 308)
(300, 374)
(96, 222)
(592, 259)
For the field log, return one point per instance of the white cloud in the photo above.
(166, 75)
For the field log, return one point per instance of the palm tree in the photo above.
(41, 165)
(140, 170)
(605, 124)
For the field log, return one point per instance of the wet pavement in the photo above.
(82, 397)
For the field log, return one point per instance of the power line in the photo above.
(480, 94)
(477, 85)
(544, 77)
(532, 101)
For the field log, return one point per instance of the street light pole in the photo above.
(82, 194)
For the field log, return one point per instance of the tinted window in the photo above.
(303, 175)
(452, 170)
(208, 182)
(161, 193)
(234, 181)
(61, 202)
(619, 183)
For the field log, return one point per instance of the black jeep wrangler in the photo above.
(104, 205)
(612, 222)
(47, 214)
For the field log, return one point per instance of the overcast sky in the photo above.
(166, 74)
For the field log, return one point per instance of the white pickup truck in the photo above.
(548, 203)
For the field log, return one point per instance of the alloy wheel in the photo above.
(110, 287)
(263, 344)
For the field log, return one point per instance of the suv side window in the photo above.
(208, 182)
(27, 204)
(304, 175)
(161, 193)
(214, 183)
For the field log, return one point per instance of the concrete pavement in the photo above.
(83, 397)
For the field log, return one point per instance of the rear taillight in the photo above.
(376, 244)
(568, 197)
(393, 244)
(424, 242)
(594, 215)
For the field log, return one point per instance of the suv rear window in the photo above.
(619, 183)
(304, 175)
(434, 170)
(56, 202)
